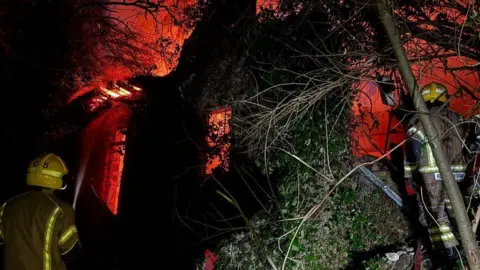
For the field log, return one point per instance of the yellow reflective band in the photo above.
(47, 172)
(409, 168)
(67, 234)
(428, 149)
(433, 169)
(459, 168)
(443, 237)
(442, 229)
(51, 173)
(429, 169)
(424, 92)
(430, 158)
(1, 209)
(47, 260)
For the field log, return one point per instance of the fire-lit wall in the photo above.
(113, 168)
(103, 156)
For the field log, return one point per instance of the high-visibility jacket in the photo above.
(421, 168)
(419, 155)
(37, 229)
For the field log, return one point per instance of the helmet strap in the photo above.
(64, 186)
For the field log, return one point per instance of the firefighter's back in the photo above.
(451, 134)
(30, 233)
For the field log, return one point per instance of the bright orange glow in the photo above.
(102, 156)
(110, 92)
(450, 71)
(113, 171)
(114, 93)
(274, 5)
(150, 32)
(219, 124)
(137, 42)
(124, 91)
(152, 44)
(136, 88)
(267, 4)
(370, 111)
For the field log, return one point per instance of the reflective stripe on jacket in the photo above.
(451, 139)
(37, 229)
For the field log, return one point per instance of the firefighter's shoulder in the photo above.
(65, 207)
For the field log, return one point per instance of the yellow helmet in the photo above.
(46, 171)
(434, 92)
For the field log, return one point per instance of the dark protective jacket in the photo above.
(419, 157)
(37, 230)
(421, 168)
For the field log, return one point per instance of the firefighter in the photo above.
(37, 229)
(422, 173)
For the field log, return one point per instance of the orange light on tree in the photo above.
(267, 4)
(156, 35)
(141, 37)
(218, 139)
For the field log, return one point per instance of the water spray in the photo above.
(81, 173)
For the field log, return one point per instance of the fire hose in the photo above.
(372, 178)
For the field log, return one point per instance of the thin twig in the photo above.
(316, 207)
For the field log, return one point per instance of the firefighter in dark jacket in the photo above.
(421, 171)
(37, 229)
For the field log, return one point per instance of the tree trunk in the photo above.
(459, 210)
